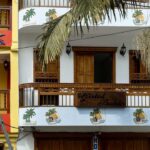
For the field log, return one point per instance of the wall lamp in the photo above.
(6, 64)
(68, 48)
(123, 50)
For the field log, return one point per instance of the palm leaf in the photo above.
(82, 13)
(52, 41)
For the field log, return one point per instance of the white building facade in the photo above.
(94, 98)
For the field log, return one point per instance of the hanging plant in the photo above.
(143, 44)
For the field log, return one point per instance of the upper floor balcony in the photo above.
(54, 3)
(5, 17)
(84, 105)
(84, 95)
(43, 3)
(30, 13)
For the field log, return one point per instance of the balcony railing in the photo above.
(140, 78)
(4, 100)
(43, 3)
(64, 94)
(5, 17)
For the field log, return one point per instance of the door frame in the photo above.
(91, 50)
(58, 135)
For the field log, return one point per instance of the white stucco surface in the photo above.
(28, 42)
(25, 142)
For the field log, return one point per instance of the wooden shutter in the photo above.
(50, 73)
(138, 72)
(84, 68)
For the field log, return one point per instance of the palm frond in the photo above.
(143, 44)
(82, 13)
(54, 37)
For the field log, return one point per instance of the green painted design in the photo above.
(138, 17)
(51, 14)
(29, 14)
(139, 115)
(96, 116)
(29, 114)
(52, 116)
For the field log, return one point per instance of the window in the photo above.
(1, 147)
(103, 67)
(94, 65)
(51, 72)
(138, 72)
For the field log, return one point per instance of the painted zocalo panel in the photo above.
(39, 15)
(71, 116)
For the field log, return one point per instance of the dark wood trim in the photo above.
(122, 135)
(91, 50)
(91, 134)
(34, 50)
(63, 135)
(94, 49)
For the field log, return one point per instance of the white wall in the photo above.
(27, 42)
(26, 45)
(25, 142)
(122, 62)
(66, 67)
(39, 18)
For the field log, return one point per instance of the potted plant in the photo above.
(138, 17)
(139, 115)
(96, 116)
(50, 15)
(52, 116)
(29, 114)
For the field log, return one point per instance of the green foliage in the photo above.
(137, 112)
(50, 112)
(83, 12)
(95, 111)
(50, 12)
(29, 114)
(137, 13)
(29, 14)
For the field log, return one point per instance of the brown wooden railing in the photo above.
(5, 17)
(140, 78)
(63, 94)
(46, 77)
(4, 100)
(43, 3)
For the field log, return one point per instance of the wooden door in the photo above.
(84, 68)
(64, 144)
(111, 144)
(126, 144)
(76, 144)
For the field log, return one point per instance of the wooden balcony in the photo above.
(5, 17)
(43, 3)
(140, 78)
(72, 94)
(4, 100)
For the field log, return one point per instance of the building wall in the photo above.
(26, 45)
(26, 143)
(14, 95)
(27, 42)
(11, 117)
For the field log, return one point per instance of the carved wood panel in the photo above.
(100, 99)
